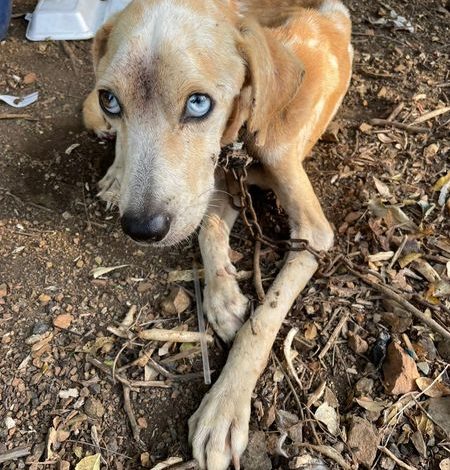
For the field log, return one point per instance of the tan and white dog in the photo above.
(176, 81)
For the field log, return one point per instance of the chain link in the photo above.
(235, 162)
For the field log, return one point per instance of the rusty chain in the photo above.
(235, 161)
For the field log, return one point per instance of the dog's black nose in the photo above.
(151, 228)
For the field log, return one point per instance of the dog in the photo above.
(177, 80)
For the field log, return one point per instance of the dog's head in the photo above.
(177, 79)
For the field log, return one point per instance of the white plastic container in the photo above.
(70, 19)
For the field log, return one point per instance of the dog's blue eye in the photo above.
(109, 103)
(198, 106)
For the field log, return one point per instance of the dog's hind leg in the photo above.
(224, 303)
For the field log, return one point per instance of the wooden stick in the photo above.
(392, 456)
(333, 337)
(190, 465)
(432, 114)
(398, 125)
(132, 384)
(404, 303)
(173, 336)
(27, 117)
(130, 413)
(396, 111)
(257, 272)
(14, 454)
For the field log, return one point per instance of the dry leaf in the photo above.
(433, 390)
(101, 271)
(441, 182)
(370, 405)
(327, 415)
(310, 331)
(424, 424)
(382, 188)
(409, 258)
(419, 443)
(92, 462)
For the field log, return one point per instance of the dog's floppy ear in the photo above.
(100, 44)
(275, 75)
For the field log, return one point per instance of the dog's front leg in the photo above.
(219, 428)
(224, 303)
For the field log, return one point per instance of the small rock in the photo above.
(10, 423)
(63, 321)
(40, 327)
(142, 422)
(29, 78)
(364, 386)
(398, 321)
(363, 440)
(444, 350)
(70, 393)
(44, 299)
(3, 290)
(357, 344)
(177, 302)
(400, 371)
(94, 408)
(256, 456)
(424, 367)
(64, 465)
(145, 460)
(144, 287)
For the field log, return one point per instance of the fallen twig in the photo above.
(333, 337)
(14, 454)
(396, 111)
(257, 272)
(392, 456)
(201, 327)
(329, 452)
(403, 302)
(287, 346)
(173, 336)
(132, 384)
(129, 411)
(190, 465)
(432, 114)
(26, 117)
(398, 125)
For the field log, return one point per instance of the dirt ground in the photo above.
(377, 186)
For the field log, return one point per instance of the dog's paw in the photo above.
(106, 133)
(218, 431)
(225, 306)
(109, 186)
